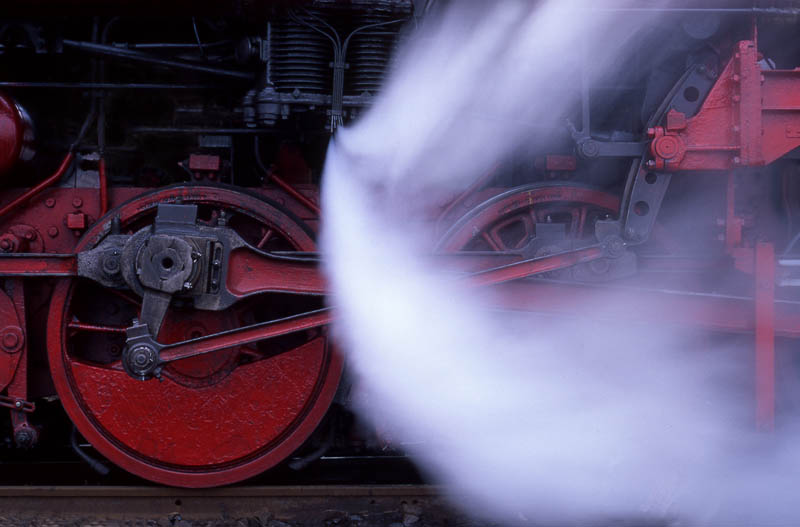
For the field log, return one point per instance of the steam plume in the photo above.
(548, 420)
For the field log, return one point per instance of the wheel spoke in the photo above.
(95, 328)
(489, 239)
(264, 239)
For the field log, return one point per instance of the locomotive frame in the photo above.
(179, 262)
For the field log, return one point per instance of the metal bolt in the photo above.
(10, 340)
(187, 286)
(52, 231)
(111, 263)
(30, 235)
(25, 437)
(5, 245)
(18, 404)
(50, 203)
(737, 160)
(77, 203)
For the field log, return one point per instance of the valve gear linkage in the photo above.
(213, 267)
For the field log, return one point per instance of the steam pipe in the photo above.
(130, 54)
(103, 186)
(58, 174)
(310, 205)
(60, 171)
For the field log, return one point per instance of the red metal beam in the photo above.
(765, 335)
(250, 272)
(246, 335)
(534, 266)
(691, 310)
(38, 265)
(751, 117)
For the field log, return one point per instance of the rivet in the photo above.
(10, 340)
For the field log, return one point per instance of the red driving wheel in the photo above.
(507, 221)
(210, 420)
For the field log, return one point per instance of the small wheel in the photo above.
(210, 420)
(507, 222)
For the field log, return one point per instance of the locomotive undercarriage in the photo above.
(160, 209)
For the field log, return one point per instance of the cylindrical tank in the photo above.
(16, 134)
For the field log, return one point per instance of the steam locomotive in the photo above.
(160, 167)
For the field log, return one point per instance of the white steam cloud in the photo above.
(530, 418)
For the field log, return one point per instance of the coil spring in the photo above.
(300, 57)
(370, 50)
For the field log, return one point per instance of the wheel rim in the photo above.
(506, 222)
(209, 421)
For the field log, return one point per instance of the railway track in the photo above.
(251, 506)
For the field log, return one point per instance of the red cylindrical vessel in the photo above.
(16, 134)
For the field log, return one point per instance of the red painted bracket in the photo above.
(751, 117)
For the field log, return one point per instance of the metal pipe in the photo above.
(130, 54)
(310, 205)
(58, 174)
(110, 86)
(103, 186)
